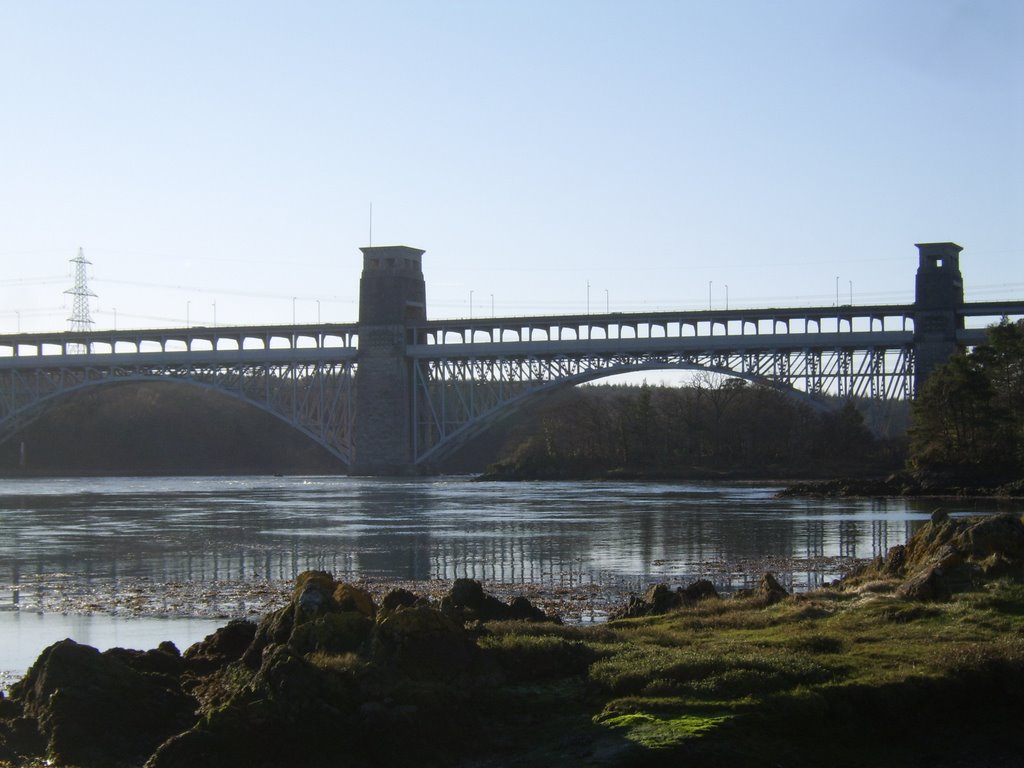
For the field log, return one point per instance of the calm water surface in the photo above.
(109, 535)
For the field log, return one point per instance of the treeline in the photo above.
(158, 429)
(969, 415)
(716, 427)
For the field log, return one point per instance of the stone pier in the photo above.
(392, 293)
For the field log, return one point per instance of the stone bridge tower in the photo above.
(940, 292)
(392, 293)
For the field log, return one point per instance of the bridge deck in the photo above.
(845, 327)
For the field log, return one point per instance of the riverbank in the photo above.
(915, 659)
(912, 484)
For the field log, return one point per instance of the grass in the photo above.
(736, 683)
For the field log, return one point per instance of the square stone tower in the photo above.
(392, 294)
(940, 291)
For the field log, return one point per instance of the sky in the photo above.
(218, 162)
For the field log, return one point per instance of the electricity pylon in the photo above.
(80, 319)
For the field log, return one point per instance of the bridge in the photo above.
(395, 393)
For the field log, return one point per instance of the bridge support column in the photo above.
(392, 293)
(940, 292)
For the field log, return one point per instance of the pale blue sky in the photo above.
(228, 153)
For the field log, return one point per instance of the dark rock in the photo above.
(156, 661)
(226, 644)
(468, 602)
(342, 632)
(316, 596)
(662, 599)
(926, 584)
(422, 642)
(8, 709)
(323, 616)
(998, 534)
(352, 598)
(521, 609)
(395, 599)
(769, 590)
(199, 748)
(702, 589)
(274, 628)
(94, 709)
(950, 555)
(19, 737)
(467, 593)
(894, 561)
(281, 716)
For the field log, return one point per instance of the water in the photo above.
(23, 634)
(122, 548)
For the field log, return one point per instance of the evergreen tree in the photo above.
(970, 412)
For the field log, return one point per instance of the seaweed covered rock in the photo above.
(396, 599)
(770, 590)
(352, 598)
(226, 644)
(327, 679)
(165, 659)
(422, 642)
(949, 555)
(467, 601)
(660, 598)
(279, 716)
(322, 615)
(93, 709)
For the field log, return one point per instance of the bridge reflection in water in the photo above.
(219, 535)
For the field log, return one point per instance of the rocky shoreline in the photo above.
(338, 676)
(576, 601)
(914, 484)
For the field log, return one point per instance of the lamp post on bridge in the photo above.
(471, 305)
(726, 297)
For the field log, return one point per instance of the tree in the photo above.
(970, 412)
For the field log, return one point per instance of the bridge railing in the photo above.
(177, 341)
(772, 322)
(652, 325)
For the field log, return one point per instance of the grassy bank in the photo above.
(830, 678)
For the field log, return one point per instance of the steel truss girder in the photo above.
(315, 397)
(455, 397)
